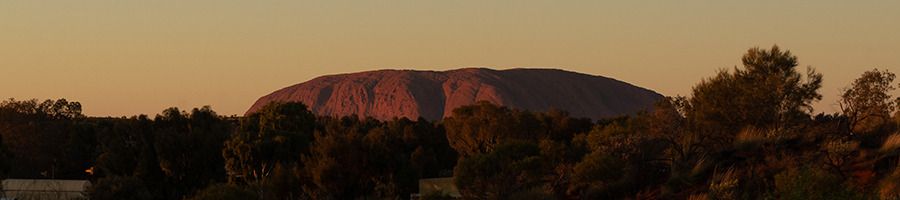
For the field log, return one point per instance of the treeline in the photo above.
(281, 152)
(746, 133)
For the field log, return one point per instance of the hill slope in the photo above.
(385, 94)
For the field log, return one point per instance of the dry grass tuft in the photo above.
(891, 143)
(724, 185)
(701, 196)
(753, 137)
(699, 167)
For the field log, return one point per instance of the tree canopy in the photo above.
(867, 101)
(767, 92)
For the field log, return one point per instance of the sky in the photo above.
(129, 57)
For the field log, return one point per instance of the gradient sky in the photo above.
(127, 57)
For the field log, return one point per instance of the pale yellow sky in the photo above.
(127, 57)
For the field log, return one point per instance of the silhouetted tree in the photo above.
(511, 168)
(125, 147)
(118, 187)
(620, 153)
(4, 160)
(767, 92)
(189, 146)
(329, 167)
(478, 128)
(278, 133)
(224, 192)
(867, 103)
(46, 139)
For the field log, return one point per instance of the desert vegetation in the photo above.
(745, 133)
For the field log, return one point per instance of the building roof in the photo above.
(45, 185)
(45, 189)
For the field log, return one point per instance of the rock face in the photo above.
(433, 95)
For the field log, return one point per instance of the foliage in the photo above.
(45, 139)
(513, 167)
(331, 179)
(890, 186)
(621, 152)
(479, 128)
(436, 195)
(181, 139)
(118, 187)
(867, 103)
(767, 92)
(278, 134)
(724, 185)
(224, 192)
(174, 154)
(34, 110)
(600, 174)
(4, 160)
(811, 183)
(388, 158)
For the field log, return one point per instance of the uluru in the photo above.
(432, 95)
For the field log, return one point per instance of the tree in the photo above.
(767, 93)
(125, 148)
(4, 160)
(429, 151)
(390, 157)
(189, 147)
(224, 192)
(46, 139)
(620, 153)
(867, 102)
(327, 166)
(511, 168)
(383, 169)
(118, 187)
(810, 183)
(599, 175)
(479, 128)
(278, 133)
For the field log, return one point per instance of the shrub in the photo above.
(811, 183)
